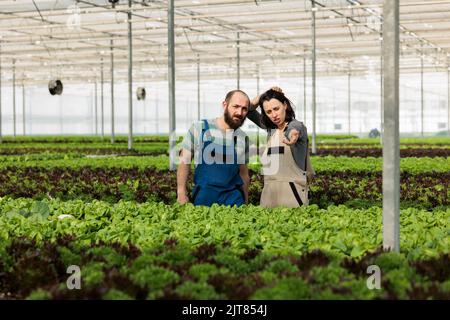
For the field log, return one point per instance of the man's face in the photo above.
(236, 110)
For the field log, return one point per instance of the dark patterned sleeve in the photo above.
(256, 118)
(300, 127)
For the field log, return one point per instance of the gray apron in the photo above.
(285, 184)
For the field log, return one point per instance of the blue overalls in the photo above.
(217, 182)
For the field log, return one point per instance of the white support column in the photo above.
(238, 61)
(304, 89)
(421, 92)
(61, 128)
(391, 140)
(258, 79)
(112, 91)
(198, 87)
(448, 99)
(130, 80)
(96, 107)
(313, 75)
(102, 102)
(14, 96)
(381, 90)
(23, 109)
(1, 132)
(171, 75)
(349, 98)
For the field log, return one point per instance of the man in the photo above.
(220, 151)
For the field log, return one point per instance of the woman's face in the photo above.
(275, 110)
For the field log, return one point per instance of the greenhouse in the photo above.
(343, 107)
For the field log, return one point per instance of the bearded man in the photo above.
(220, 152)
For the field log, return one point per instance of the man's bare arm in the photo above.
(243, 172)
(182, 176)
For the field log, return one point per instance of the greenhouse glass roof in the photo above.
(72, 39)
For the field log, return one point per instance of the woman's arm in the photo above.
(300, 128)
(256, 118)
(300, 147)
(253, 114)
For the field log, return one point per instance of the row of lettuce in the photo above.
(321, 138)
(354, 189)
(210, 271)
(157, 145)
(155, 149)
(154, 251)
(322, 165)
(337, 228)
(356, 182)
(121, 139)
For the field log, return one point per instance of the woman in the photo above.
(286, 167)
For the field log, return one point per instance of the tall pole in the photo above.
(30, 113)
(238, 58)
(96, 107)
(391, 141)
(102, 101)
(14, 97)
(157, 113)
(313, 74)
(448, 99)
(1, 133)
(130, 80)
(92, 109)
(60, 115)
(23, 108)
(171, 56)
(349, 97)
(258, 79)
(381, 90)
(112, 91)
(145, 116)
(198, 87)
(304, 90)
(421, 92)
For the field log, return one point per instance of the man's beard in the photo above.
(232, 123)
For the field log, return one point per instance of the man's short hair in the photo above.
(231, 94)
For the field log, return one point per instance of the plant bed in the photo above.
(426, 190)
(172, 271)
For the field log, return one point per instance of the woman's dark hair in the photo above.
(272, 94)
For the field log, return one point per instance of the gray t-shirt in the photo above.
(219, 138)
